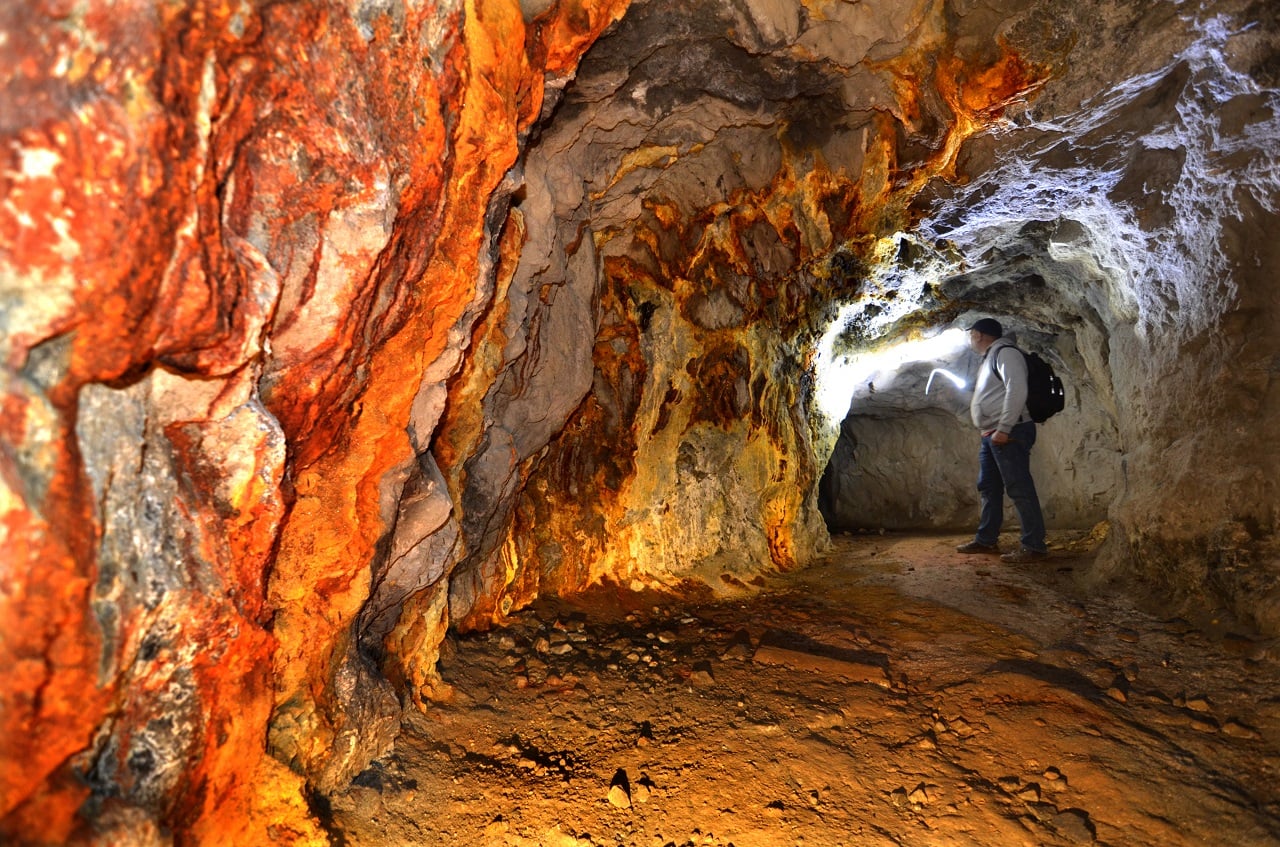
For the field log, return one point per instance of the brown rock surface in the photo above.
(995, 728)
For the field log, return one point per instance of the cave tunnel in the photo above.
(546, 423)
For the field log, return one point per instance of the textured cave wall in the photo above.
(1163, 222)
(242, 248)
(323, 330)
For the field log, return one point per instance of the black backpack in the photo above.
(1046, 395)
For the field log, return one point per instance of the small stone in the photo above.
(1204, 724)
(919, 795)
(1238, 730)
(542, 645)
(1042, 811)
(1074, 825)
(1263, 650)
(641, 793)
(1030, 793)
(561, 649)
(619, 797)
(1118, 694)
(667, 637)
(899, 797)
(1199, 704)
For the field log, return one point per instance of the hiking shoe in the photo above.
(975, 547)
(1024, 555)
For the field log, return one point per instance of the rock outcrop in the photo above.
(329, 326)
(243, 248)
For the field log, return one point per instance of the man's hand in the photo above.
(999, 437)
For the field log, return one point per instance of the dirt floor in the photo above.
(899, 693)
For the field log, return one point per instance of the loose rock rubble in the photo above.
(892, 696)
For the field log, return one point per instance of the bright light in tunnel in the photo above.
(841, 375)
(957, 381)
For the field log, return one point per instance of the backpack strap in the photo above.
(1026, 414)
(995, 360)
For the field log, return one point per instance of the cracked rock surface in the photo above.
(896, 693)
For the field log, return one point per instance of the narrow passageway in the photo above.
(896, 694)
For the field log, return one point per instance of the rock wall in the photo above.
(243, 246)
(1150, 252)
(330, 326)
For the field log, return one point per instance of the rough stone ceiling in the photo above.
(716, 105)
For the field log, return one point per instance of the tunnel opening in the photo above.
(905, 453)
(895, 387)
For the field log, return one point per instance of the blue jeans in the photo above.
(1007, 467)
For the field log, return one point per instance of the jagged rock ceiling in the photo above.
(329, 326)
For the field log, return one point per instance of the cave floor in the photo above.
(897, 693)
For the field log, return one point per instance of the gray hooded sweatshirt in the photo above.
(1000, 402)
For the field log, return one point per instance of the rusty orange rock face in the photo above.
(282, 204)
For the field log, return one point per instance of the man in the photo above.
(999, 410)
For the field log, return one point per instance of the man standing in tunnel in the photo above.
(999, 410)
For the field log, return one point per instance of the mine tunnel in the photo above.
(485, 422)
